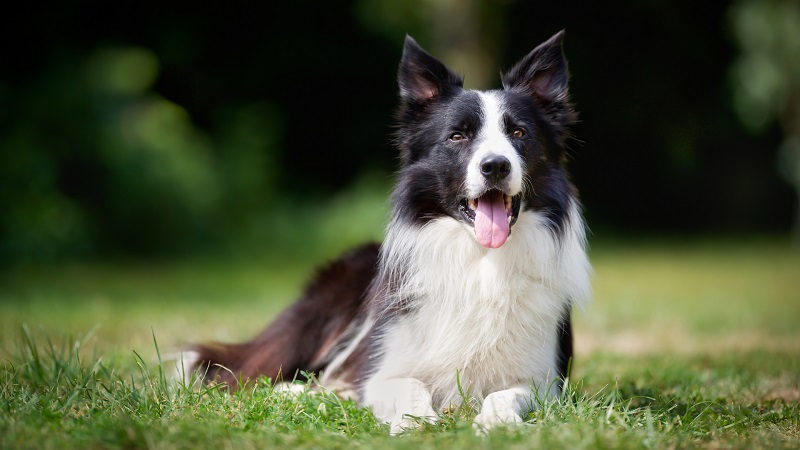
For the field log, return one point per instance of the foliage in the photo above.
(767, 76)
(98, 160)
(157, 132)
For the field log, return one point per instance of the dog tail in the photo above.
(303, 338)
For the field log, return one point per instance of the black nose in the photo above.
(495, 167)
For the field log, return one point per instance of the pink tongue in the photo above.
(491, 221)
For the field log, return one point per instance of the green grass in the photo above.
(686, 345)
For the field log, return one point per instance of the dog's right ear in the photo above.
(423, 78)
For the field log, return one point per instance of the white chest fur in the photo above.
(488, 317)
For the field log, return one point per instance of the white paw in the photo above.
(499, 408)
(406, 422)
(403, 402)
(487, 420)
(291, 389)
(185, 371)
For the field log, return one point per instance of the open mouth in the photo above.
(492, 215)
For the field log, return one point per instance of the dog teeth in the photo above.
(472, 203)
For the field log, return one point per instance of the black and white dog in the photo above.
(469, 296)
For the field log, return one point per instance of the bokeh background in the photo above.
(148, 131)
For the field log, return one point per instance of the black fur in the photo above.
(302, 337)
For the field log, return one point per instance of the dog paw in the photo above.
(407, 422)
(499, 408)
(291, 389)
(487, 420)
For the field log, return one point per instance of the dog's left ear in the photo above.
(542, 72)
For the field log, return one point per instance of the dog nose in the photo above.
(495, 167)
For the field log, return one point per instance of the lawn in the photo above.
(687, 344)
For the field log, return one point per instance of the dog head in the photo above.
(484, 157)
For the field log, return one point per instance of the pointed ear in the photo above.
(423, 78)
(542, 72)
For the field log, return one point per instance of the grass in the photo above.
(686, 345)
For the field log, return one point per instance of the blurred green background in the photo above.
(264, 130)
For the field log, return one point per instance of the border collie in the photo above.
(469, 296)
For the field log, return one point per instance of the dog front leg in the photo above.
(402, 402)
(504, 407)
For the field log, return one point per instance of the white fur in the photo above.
(353, 336)
(184, 362)
(492, 140)
(403, 401)
(505, 406)
(486, 318)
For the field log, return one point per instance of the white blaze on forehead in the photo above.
(493, 140)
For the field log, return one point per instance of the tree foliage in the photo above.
(161, 131)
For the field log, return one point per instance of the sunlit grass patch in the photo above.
(686, 345)
(54, 398)
(693, 296)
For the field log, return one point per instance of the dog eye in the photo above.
(455, 137)
(518, 133)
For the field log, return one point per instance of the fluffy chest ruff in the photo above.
(466, 319)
